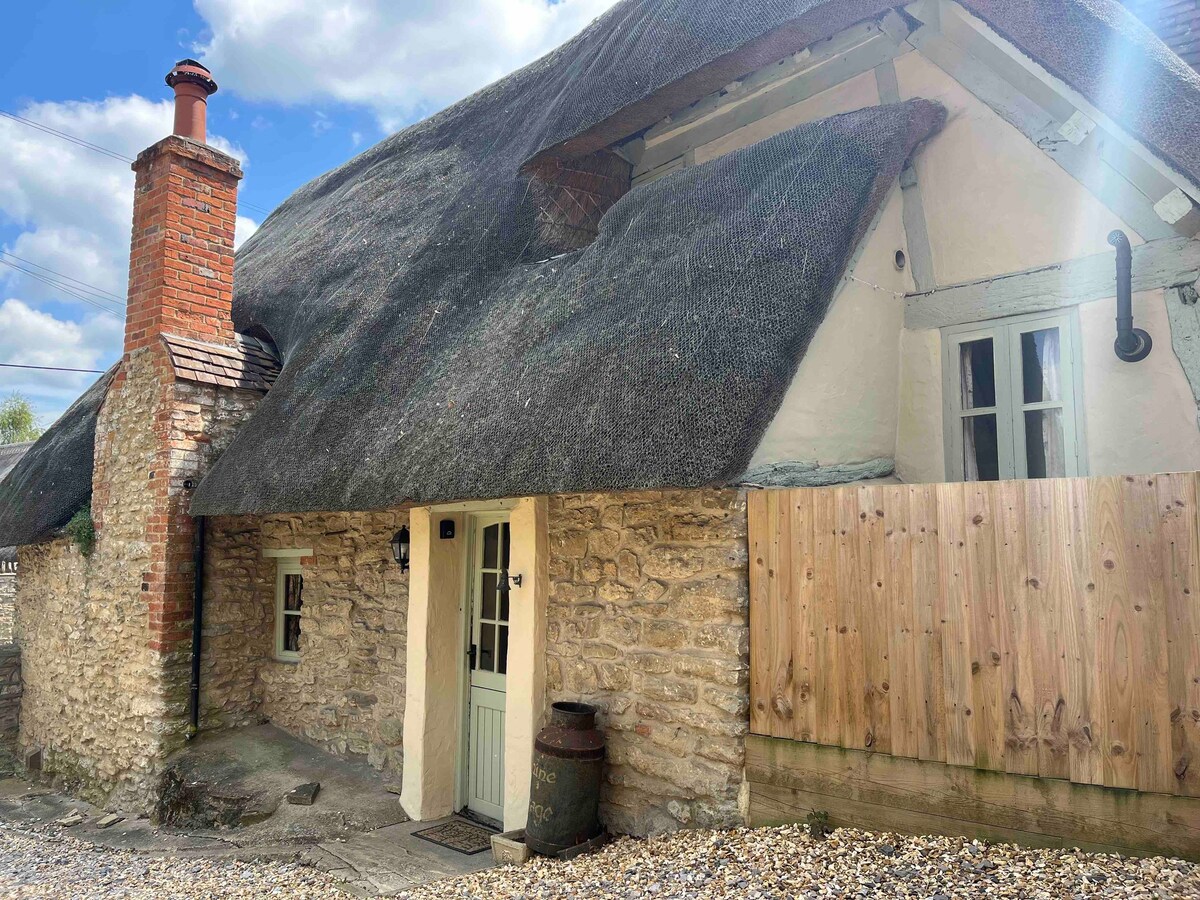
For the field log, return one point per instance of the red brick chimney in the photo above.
(185, 208)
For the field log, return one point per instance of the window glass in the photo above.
(1045, 445)
(491, 536)
(293, 588)
(502, 651)
(981, 453)
(505, 542)
(977, 370)
(1040, 360)
(291, 634)
(489, 595)
(487, 644)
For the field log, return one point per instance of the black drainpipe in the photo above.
(1133, 344)
(197, 624)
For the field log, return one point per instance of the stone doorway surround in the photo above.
(435, 671)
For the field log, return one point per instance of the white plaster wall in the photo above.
(854, 93)
(841, 406)
(1140, 417)
(994, 203)
(920, 453)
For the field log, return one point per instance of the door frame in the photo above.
(474, 522)
(436, 658)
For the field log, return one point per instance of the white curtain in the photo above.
(1049, 422)
(967, 375)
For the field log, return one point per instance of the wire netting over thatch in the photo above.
(53, 479)
(431, 362)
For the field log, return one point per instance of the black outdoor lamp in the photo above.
(504, 581)
(400, 548)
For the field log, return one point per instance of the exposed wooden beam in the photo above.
(736, 108)
(1156, 265)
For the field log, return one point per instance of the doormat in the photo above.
(461, 836)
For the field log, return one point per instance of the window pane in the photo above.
(293, 590)
(1045, 444)
(502, 651)
(490, 535)
(1040, 357)
(981, 453)
(977, 374)
(504, 607)
(504, 530)
(487, 645)
(291, 634)
(489, 595)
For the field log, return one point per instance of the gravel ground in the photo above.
(786, 863)
(756, 865)
(58, 867)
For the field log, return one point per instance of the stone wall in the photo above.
(10, 688)
(105, 659)
(8, 602)
(346, 693)
(648, 620)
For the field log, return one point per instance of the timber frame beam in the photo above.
(1159, 264)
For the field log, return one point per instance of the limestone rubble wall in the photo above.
(648, 620)
(346, 692)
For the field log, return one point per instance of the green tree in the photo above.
(17, 421)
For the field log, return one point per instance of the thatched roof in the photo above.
(53, 479)
(429, 355)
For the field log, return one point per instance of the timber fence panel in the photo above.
(1047, 628)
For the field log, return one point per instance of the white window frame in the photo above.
(285, 566)
(1009, 409)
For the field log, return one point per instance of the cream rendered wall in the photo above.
(854, 93)
(1139, 417)
(841, 406)
(920, 454)
(994, 203)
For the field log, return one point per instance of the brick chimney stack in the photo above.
(185, 208)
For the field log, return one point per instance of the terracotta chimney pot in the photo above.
(193, 84)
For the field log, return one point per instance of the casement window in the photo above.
(289, 602)
(1012, 399)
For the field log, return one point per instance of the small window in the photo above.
(289, 603)
(1011, 390)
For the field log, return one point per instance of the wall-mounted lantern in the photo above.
(400, 548)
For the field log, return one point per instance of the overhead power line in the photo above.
(50, 368)
(59, 286)
(91, 287)
(88, 145)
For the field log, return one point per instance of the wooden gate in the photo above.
(1047, 628)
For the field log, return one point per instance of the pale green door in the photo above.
(488, 664)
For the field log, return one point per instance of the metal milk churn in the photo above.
(568, 764)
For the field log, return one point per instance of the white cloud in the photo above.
(72, 209)
(399, 59)
(34, 338)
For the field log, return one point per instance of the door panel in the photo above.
(488, 664)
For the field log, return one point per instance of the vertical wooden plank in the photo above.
(780, 600)
(904, 691)
(877, 593)
(1051, 645)
(1018, 525)
(1148, 615)
(1116, 654)
(1080, 620)
(986, 598)
(956, 634)
(760, 528)
(827, 677)
(929, 609)
(804, 624)
(852, 600)
(1178, 508)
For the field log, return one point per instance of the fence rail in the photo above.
(1045, 628)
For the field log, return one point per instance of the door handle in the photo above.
(471, 658)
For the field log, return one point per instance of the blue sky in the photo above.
(305, 85)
